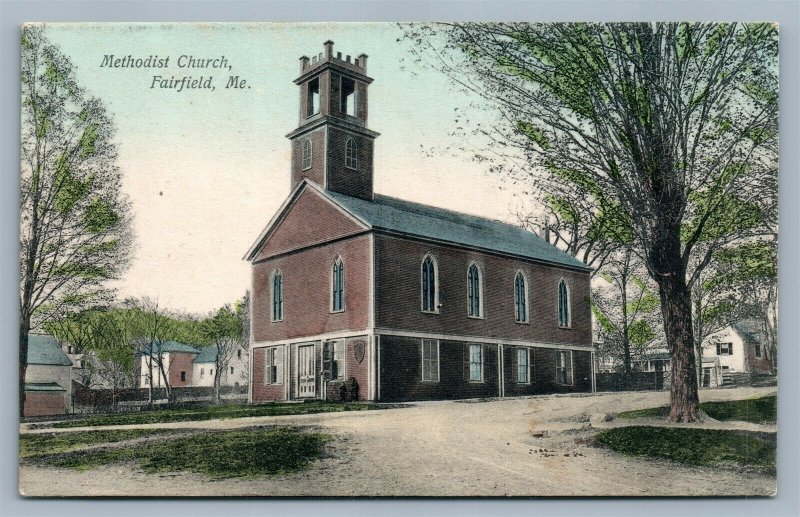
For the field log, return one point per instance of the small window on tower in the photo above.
(306, 153)
(313, 98)
(348, 106)
(351, 154)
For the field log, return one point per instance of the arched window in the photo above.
(277, 296)
(337, 291)
(306, 153)
(351, 154)
(520, 298)
(430, 284)
(474, 291)
(563, 304)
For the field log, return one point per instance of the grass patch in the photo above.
(760, 410)
(213, 412)
(694, 446)
(32, 445)
(224, 454)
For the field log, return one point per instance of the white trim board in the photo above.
(317, 337)
(483, 339)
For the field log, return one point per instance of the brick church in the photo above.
(364, 296)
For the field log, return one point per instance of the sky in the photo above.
(206, 170)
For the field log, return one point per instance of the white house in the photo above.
(193, 365)
(739, 348)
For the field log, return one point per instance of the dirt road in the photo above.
(442, 449)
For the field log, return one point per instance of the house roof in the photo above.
(208, 354)
(43, 386)
(175, 346)
(46, 350)
(749, 330)
(428, 222)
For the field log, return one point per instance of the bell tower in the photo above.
(332, 145)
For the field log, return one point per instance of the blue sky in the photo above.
(206, 170)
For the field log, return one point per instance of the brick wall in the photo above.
(317, 171)
(41, 403)
(401, 371)
(307, 291)
(263, 392)
(398, 295)
(180, 362)
(350, 182)
(757, 364)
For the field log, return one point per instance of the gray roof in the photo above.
(208, 354)
(392, 214)
(175, 346)
(749, 330)
(46, 350)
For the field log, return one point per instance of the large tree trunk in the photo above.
(668, 269)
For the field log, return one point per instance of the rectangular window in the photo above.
(183, 376)
(564, 367)
(348, 106)
(231, 369)
(724, 348)
(313, 98)
(202, 372)
(476, 363)
(758, 350)
(272, 362)
(523, 367)
(430, 360)
(333, 359)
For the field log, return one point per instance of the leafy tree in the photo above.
(224, 331)
(151, 326)
(75, 230)
(674, 124)
(626, 310)
(109, 353)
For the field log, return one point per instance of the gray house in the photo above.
(48, 378)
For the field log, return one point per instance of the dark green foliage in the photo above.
(32, 445)
(759, 411)
(214, 412)
(227, 454)
(693, 446)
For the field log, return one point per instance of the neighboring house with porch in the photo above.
(48, 378)
(403, 300)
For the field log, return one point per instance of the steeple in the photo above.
(332, 145)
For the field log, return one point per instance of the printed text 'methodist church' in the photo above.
(360, 295)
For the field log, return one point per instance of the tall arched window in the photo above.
(351, 154)
(430, 282)
(337, 291)
(563, 304)
(474, 291)
(277, 296)
(306, 153)
(520, 298)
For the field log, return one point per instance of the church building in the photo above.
(357, 295)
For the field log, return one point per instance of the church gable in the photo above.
(311, 218)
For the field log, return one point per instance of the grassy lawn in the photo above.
(223, 454)
(32, 445)
(760, 410)
(214, 412)
(694, 446)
